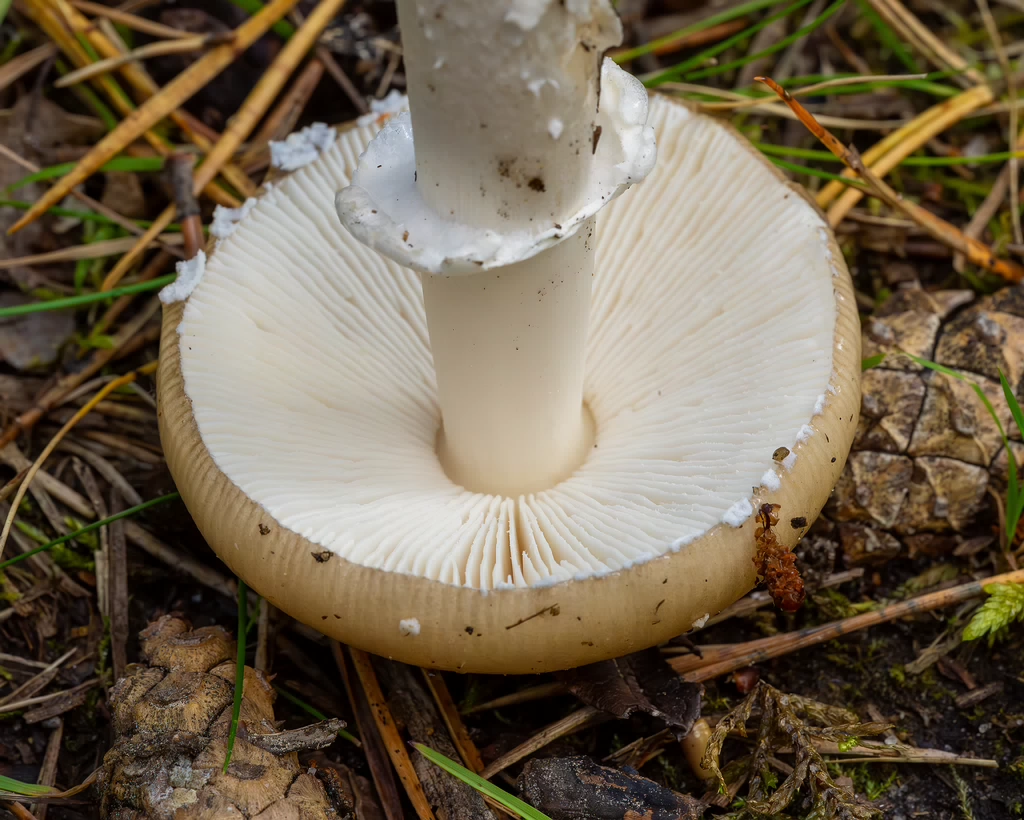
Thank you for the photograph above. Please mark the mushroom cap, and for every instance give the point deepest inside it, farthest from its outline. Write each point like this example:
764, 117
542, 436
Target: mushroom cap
298, 417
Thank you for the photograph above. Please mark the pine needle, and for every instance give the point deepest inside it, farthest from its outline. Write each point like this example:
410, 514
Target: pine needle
236, 706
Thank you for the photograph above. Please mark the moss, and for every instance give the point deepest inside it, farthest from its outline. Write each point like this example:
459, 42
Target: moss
872, 780
899, 674
65, 557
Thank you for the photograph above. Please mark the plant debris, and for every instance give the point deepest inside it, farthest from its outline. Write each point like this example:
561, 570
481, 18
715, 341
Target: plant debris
577, 788
641, 682
775, 563
789, 721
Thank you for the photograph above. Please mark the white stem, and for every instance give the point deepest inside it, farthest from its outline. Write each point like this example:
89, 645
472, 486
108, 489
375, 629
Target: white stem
508, 349
503, 107
504, 98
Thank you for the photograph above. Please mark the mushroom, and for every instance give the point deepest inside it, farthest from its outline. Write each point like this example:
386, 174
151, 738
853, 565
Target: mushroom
531, 431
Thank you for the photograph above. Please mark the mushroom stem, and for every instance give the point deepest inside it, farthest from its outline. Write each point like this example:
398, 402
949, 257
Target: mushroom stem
503, 99
508, 348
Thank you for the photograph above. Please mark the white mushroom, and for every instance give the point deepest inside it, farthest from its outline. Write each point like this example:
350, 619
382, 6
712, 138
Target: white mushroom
591, 493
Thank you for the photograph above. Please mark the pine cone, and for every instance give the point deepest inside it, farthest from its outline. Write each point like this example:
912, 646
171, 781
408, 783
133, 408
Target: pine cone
171, 719
926, 449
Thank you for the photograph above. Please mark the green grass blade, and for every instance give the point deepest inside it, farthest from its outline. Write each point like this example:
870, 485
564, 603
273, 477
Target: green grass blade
282, 28
5, 6
90, 98
827, 156
871, 361
889, 37
784, 43
236, 706
95, 525
133, 164
715, 19
9, 784
88, 216
819, 174
700, 59
1012, 403
1014, 500
86, 298
312, 711
508, 801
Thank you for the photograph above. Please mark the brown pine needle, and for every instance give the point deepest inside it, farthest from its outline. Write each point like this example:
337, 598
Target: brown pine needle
929, 45
389, 733
93, 250
131, 21
87, 408
22, 64
173, 95
729, 659
108, 45
900, 144
574, 722
158, 49
62, 31
976, 252
453, 721
139, 247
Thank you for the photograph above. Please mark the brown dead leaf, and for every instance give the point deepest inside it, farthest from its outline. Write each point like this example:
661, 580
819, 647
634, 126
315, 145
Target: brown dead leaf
33, 341
641, 682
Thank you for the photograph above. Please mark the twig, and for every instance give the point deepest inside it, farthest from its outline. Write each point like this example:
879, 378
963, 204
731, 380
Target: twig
342, 79
154, 268
389, 734
38, 681
282, 119
174, 94
21, 705
179, 169
1011, 87
580, 719
746, 654
943, 231
117, 588
539, 692
48, 771
373, 744
450, 715
261, 661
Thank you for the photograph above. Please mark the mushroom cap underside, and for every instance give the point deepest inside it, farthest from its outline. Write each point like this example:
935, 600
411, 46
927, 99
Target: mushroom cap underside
298, 419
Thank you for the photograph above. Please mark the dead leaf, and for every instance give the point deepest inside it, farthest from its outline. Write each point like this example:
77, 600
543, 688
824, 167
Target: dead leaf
33, 341
123, 192
641, 682
577, 788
